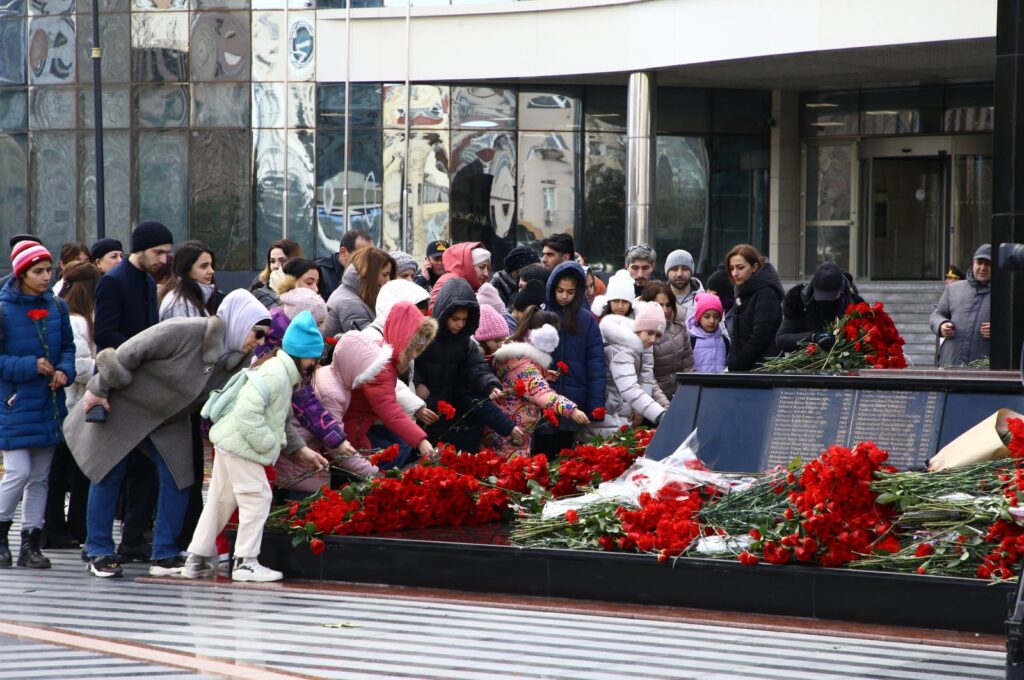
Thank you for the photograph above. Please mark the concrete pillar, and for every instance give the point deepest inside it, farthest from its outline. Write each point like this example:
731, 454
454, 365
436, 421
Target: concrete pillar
1007, 184
641, 153
784, 186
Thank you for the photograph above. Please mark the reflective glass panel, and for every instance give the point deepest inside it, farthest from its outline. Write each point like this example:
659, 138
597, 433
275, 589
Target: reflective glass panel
364, 186
484, 189
826, 243
301, 4
364, 105
969, 108
12, 8
901, 111
220, 195
742, 111
161, 183
972, 218
220, 46
53, 186
146, 5
116, 42
219, 4
825, 114
268, 152
50, 7
301, 112
268, 46
424, 209
268, 4
160, 47
483, 108
739, 193
681, 198
683, 109
606, 109
161, 106
268, 105
428, 103
220, 105
51, 50
12, 51
300, 45
13, 109
301, 195
106, 6
547, 183
13, 185
550, 110
116, 106
604, 195
51, 108
117, 163
829, 177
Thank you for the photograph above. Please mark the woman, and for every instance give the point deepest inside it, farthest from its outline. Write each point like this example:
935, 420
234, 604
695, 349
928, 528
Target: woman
65, 478
106, 254
673, 353
70, 253
757, 311
277, 254
192, 292
149, 387
296, 272
36, 362
405, 265
350, 307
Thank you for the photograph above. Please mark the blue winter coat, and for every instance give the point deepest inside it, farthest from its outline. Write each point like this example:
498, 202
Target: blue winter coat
582, 351
31, 414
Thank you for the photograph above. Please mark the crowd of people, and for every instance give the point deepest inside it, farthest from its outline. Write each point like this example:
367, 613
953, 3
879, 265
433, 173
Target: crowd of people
119, 366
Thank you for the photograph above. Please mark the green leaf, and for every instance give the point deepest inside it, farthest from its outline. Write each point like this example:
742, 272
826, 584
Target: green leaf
795, 464
886, 498
298, 539
347, 493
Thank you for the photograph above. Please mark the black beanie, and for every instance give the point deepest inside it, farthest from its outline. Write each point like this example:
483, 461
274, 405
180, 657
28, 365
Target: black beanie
150, 235
104, 246
519, 257
531, 294
18, 238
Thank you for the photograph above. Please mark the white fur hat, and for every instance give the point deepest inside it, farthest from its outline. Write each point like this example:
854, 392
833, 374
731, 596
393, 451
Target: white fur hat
544, 338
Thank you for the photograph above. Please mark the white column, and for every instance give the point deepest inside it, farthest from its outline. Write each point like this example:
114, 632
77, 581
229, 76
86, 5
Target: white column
641, 148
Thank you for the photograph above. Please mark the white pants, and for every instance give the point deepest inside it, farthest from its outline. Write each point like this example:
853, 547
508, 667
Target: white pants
26, 479
235, 483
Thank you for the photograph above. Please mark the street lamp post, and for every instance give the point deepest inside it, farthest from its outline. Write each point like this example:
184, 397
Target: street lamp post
97, 102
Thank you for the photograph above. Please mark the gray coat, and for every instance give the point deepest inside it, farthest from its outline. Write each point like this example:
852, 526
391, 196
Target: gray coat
673, 354
346, 311
967, 304
154, 382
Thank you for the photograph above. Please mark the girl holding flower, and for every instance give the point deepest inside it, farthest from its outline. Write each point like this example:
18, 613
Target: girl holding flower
36, 361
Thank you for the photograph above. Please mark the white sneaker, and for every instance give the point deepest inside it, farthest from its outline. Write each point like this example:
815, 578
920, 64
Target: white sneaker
196, 566
249, 569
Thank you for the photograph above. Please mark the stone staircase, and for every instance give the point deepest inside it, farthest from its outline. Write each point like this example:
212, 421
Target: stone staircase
909, 303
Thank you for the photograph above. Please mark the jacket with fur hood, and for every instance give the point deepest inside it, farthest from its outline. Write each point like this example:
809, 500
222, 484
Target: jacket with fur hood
458, 264
631, 389
755, 319
391, 293
522, 361
346, 311
673, 353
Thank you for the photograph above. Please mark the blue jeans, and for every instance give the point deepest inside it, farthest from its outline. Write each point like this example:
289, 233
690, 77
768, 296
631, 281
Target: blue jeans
381, 437
170, 508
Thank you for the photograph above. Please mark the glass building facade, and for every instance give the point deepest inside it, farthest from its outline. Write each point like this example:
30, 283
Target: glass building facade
215, 124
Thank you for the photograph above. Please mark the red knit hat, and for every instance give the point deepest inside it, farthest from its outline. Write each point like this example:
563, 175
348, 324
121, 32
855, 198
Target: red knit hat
26, 254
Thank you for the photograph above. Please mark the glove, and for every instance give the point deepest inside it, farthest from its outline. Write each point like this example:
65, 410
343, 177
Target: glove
824, 340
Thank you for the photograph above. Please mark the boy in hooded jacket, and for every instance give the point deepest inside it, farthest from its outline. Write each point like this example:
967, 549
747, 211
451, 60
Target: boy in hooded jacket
454, 370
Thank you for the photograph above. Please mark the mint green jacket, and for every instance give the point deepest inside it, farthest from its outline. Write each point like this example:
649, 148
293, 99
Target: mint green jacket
254, 429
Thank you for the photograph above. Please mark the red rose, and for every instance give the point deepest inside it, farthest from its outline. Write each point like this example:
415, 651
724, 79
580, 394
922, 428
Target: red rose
747, 558
446, 409
924, 550
571, 516
38, 314
520, 387
563, 368
598, 413
811, 349
317, 546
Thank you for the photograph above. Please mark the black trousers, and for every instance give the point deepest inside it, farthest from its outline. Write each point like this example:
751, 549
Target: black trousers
139, 497
66, 478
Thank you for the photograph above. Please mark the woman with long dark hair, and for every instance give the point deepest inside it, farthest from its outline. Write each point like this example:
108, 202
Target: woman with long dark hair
71, 253
757, 314
192, 291
278, 253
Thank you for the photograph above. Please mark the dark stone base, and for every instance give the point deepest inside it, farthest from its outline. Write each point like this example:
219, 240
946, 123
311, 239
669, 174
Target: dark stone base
474, 559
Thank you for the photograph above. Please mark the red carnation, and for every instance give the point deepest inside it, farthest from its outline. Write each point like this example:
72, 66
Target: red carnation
551, 416
520, 387
37, 314
598, 413
571, 516
331, 340
811, 349
446, 409
563, 368
317, 546
747, 558
924, 550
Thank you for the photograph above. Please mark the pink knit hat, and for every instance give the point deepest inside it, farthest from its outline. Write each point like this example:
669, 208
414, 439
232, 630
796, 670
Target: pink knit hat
492, 325
706, 302
298, 300
650, 317
487, 295
26, 254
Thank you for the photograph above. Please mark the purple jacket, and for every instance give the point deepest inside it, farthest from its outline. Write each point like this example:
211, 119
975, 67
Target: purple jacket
278, 325
312, 415
710, 350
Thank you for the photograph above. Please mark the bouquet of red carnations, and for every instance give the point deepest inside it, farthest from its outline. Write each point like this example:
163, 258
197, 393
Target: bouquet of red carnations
864, 337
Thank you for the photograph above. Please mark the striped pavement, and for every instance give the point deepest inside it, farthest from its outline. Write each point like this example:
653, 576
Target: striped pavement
305, 634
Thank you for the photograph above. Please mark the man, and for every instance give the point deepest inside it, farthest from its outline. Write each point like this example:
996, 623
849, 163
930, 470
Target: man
962, 315
106, 254
556, 249
15, 240
640, 265
506, 281
808, 310
126, 305
685, 286
332, 267
433, 265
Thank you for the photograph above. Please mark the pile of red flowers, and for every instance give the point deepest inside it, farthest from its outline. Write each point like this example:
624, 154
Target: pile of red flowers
665, 523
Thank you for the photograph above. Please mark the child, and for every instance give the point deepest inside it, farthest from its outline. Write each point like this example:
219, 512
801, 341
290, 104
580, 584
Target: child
246, 438
523, 360
492, 331
580, 350
710, 346
618, 299
631, 390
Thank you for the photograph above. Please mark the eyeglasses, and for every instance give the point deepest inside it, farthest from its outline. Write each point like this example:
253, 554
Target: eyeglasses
259, 333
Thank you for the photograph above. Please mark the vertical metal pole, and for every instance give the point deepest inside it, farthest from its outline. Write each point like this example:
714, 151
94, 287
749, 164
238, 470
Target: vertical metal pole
346, 218
641, 142
406, 225
97, 103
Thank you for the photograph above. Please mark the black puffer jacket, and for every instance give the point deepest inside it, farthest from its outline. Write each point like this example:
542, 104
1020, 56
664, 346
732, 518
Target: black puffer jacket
803, 316
506, 286
756, 317
331, 270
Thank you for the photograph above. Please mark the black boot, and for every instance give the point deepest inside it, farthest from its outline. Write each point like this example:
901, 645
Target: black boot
5, 550
29, 556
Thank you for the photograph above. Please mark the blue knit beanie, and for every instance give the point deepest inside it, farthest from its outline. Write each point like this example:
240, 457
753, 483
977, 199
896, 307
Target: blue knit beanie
303, 339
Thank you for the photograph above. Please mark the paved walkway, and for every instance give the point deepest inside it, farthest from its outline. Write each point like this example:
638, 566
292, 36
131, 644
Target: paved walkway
70, 624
